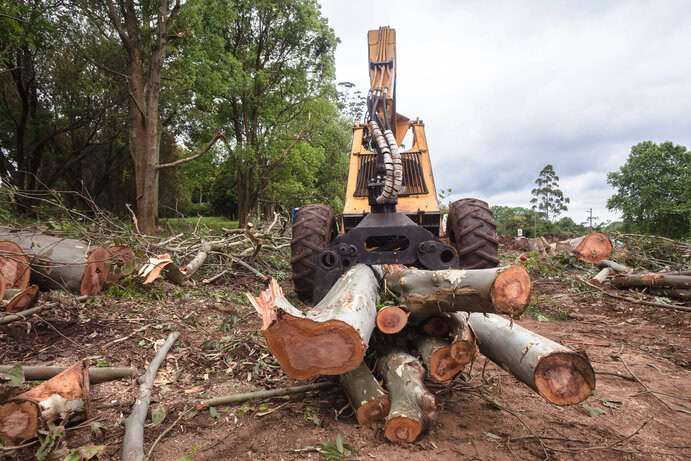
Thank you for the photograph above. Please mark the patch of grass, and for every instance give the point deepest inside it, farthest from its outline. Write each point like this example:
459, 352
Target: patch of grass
203, 224
132, 289
543, 267
533, 310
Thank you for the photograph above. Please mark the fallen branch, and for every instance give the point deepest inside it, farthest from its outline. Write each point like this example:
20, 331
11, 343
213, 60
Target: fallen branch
617, 267
560, 375
97, 375
651, 280
366, 396
600, 277
133, 440
632, 300
504, 290
464, 343
263, 394
196, 262
23, 315
331, 338
17, 300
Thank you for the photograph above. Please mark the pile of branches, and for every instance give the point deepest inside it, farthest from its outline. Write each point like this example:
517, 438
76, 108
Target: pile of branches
430, 327
88, 250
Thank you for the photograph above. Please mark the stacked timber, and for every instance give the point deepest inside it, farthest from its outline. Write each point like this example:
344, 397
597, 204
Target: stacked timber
441, 321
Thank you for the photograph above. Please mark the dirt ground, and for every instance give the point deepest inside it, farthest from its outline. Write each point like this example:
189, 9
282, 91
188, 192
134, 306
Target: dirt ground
485, 414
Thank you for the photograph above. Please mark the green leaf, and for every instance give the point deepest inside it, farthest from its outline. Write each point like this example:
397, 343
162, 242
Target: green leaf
263, 407
15, 375
213, 412
339, 443
158, 414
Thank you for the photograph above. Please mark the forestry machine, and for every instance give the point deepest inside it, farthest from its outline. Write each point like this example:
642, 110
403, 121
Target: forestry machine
391, 213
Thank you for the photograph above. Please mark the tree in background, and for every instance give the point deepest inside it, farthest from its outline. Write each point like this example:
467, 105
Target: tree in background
547, 197
653, 189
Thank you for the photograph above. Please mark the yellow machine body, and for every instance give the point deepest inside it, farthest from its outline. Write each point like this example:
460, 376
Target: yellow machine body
418, 197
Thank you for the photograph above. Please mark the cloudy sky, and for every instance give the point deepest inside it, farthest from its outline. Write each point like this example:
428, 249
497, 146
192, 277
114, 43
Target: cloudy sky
507, 87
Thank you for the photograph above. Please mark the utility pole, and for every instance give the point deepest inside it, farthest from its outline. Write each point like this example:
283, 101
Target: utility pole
590, 219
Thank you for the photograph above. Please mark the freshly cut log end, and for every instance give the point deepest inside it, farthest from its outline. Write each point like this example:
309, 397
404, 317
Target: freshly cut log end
14, 265
391, 319
560, 375
96, 271
412, 405
601, 276
306, 349
593, 248
331, 338
439, 360
366, 396
437, 326
564, 378
401, 429
61, 397
18, 421
510, 292
22, 299
464, 345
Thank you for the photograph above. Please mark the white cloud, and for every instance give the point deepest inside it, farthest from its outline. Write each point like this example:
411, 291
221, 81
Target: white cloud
506, 87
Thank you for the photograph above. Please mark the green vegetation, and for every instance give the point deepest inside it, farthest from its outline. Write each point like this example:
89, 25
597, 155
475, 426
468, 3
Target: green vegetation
653, 190
201, 223
547, 197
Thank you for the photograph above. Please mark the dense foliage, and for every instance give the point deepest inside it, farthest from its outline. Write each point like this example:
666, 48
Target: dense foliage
261, 73
653, 189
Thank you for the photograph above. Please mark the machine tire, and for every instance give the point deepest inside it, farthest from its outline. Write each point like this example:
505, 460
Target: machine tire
473, 232
314, 228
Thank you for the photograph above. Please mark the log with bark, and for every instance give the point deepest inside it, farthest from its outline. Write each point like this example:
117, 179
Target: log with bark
441, 365
679, 294
17, 300
64, 397
332, 337
97, 375
504, 290
412, 405
61, 263
651, 280
14, 265
615, 266
367, 397
560, 375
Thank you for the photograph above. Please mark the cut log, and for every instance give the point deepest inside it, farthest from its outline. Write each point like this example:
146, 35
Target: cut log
332, 337
437, 325
651, 280
14, 265
60, 263
133, 440
601, 276
412, 405
17, 300
366, 396
441, 366
196, 262
464, 344
672, 293
391, 319
560, 375
504, 290
96, 375
64, 396
617, 267
590, 248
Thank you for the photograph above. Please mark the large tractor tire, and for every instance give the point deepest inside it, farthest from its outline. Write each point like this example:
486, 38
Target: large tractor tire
472, 230
314, 228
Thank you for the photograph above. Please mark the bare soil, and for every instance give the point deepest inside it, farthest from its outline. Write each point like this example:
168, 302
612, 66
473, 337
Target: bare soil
485, 414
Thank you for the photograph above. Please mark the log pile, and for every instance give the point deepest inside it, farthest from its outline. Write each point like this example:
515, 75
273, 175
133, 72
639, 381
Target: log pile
437, 324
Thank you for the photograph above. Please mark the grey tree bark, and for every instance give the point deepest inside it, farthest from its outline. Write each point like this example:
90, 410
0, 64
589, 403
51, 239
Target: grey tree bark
369, 400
